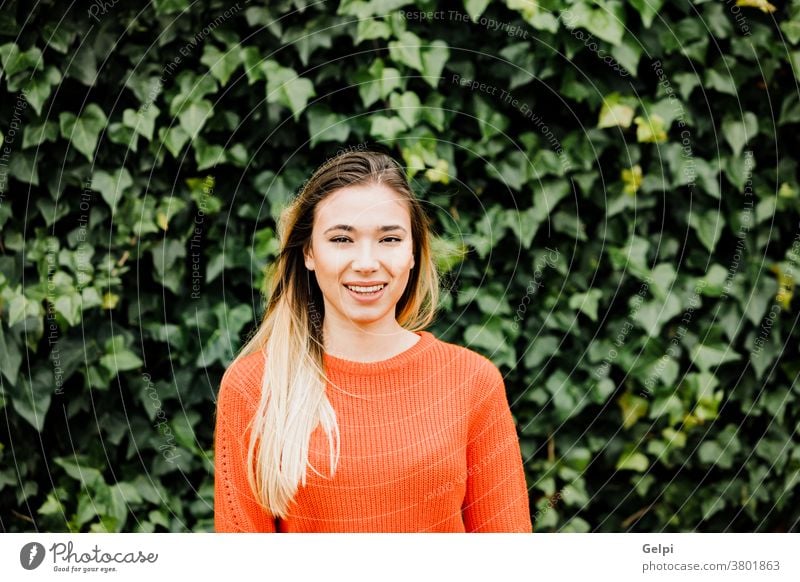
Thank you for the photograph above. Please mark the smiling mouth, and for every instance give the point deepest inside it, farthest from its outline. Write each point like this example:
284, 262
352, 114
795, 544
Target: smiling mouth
366, 291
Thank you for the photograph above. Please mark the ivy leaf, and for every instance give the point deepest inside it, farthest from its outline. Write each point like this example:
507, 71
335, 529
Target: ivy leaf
14, 60
120, 361
69, 305
386, 127
606, 21
739, 131
616, 111
652, 315
406, 50
167, 255
284, 86
633, 408
434, 58
112, 186
173, 138
491, 340
633, 460
118, 133
10, 357
221, 64
31, 398
650, 129
142, 120
324, 125
37, 133
377, 82
586, 302
708, 225
194, 117
38, 88
371, 29
707, 357
648, 10
83, 131
167, 7
475, 8
407, 105
207, 155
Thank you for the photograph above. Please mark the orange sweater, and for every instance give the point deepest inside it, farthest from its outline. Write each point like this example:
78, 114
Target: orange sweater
428, 444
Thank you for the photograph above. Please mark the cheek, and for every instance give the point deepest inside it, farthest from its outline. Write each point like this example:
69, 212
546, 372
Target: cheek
401, 259
331, 261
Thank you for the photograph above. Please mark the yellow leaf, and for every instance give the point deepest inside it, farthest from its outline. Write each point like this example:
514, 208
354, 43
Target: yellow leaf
785, 286
110, 300
162, 220
615, 114
633, 408
762, 5
439, 173
632, 179
650, 130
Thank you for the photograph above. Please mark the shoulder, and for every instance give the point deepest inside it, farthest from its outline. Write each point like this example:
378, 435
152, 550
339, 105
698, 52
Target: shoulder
470, 366
242, 379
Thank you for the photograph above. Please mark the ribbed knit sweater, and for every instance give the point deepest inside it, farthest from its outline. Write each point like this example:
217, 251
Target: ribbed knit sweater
428, 444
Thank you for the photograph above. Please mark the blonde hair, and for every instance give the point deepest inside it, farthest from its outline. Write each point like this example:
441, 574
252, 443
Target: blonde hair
293, 397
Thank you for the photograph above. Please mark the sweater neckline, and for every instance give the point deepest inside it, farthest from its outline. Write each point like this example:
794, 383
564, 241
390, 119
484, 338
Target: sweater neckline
334, 363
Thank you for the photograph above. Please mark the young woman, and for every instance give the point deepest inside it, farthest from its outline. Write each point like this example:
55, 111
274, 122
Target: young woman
342, 414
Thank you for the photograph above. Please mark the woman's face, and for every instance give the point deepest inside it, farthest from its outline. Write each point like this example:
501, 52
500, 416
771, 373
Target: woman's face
361, 253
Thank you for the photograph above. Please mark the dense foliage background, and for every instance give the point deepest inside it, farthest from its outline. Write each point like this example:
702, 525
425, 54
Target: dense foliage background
621, 176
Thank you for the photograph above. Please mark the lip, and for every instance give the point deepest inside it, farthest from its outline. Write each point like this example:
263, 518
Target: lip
366, 298
365, 283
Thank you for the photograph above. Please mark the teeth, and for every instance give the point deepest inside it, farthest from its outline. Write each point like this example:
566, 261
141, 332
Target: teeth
365, 289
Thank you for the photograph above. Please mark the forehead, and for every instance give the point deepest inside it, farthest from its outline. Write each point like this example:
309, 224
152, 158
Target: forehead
367, 205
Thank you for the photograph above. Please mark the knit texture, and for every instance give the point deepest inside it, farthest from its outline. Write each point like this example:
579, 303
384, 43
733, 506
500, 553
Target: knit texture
428, 444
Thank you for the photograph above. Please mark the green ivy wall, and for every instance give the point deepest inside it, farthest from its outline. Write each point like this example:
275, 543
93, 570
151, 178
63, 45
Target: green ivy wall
614, 186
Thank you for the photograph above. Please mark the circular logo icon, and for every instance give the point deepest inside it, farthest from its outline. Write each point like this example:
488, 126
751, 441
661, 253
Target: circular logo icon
31, 555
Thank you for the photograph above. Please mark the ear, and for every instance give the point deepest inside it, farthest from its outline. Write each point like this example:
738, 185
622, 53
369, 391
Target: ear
308, 258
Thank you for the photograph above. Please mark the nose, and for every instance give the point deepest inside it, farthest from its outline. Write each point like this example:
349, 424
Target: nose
366, 258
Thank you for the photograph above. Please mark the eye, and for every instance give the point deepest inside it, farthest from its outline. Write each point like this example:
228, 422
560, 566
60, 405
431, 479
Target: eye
340, 239
392, 239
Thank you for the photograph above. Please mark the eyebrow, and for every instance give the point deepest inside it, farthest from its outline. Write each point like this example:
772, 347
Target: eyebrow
348, 228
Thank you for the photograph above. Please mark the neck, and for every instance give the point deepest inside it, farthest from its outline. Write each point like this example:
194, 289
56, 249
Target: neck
365, 344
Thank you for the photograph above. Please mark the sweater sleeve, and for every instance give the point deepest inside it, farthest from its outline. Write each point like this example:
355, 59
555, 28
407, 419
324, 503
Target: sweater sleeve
235, 507
496, 498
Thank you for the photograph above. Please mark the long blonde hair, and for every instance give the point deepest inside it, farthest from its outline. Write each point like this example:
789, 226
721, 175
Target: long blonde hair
293, 400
